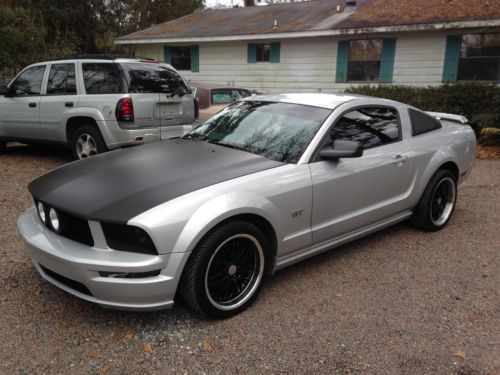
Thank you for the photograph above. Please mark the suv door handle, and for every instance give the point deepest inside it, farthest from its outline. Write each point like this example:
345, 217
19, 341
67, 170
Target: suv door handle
32, 105
399, 159
68, 104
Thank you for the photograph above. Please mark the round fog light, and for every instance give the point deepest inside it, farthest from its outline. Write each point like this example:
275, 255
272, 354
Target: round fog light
41, 211
54, 220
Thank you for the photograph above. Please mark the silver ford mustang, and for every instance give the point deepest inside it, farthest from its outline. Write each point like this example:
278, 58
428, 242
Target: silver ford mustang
263, 184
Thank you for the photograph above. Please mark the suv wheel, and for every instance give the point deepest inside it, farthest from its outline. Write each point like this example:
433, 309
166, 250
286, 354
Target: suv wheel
3, 146
86, 142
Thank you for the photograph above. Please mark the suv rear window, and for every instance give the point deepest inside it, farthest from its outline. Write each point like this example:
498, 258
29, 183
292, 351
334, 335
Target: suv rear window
153, 78
102, 78
422, 122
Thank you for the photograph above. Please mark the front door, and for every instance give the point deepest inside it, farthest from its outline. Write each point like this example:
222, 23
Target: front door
351, 193
20, 112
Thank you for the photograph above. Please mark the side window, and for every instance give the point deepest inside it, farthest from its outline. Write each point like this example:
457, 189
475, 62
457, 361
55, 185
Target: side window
62, 79
102, 78
422, 122
372, 126
29, 82
224, 96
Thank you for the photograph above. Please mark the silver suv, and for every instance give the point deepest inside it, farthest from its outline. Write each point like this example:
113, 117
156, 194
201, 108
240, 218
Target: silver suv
96, 103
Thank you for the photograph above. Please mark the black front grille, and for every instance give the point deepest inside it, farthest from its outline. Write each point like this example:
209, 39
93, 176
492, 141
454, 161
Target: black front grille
128, 238
75, 229
75, 285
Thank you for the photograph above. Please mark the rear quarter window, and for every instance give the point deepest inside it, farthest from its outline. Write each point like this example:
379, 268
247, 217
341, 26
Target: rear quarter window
102, 78
422, 123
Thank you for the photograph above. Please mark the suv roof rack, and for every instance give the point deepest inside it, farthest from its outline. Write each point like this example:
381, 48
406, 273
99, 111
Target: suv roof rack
96, 56
99, 56
104, 56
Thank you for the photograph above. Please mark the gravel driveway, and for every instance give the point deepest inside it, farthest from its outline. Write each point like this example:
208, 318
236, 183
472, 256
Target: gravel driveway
397, 302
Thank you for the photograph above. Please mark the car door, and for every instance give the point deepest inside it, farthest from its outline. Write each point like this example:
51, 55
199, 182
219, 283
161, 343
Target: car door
20, 113
61, 99
351, 193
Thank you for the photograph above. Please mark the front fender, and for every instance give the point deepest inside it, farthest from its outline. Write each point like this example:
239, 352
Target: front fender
221, 208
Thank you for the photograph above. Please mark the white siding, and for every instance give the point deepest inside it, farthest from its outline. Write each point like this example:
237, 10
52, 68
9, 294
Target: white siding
308, 64
419, 59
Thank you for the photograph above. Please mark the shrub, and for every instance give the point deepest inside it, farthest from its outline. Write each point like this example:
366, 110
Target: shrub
479, 102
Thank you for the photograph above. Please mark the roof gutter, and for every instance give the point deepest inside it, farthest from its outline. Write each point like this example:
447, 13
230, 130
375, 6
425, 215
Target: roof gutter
317, 33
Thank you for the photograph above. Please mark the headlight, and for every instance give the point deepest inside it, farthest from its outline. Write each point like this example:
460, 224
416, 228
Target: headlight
41, 211
54, 220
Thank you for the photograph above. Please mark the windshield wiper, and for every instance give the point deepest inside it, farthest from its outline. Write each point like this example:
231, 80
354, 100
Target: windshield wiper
230, 145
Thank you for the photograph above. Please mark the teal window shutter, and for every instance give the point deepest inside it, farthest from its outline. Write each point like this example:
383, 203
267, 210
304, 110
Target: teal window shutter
167, 55
195, 59
252, 53
274, 53
342, 60
451, 57
387, 60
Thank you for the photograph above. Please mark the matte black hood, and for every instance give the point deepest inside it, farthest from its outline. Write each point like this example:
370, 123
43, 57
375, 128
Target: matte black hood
118, 185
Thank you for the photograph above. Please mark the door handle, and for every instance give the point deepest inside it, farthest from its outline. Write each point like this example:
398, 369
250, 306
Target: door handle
399, 159
32, 105
68, 104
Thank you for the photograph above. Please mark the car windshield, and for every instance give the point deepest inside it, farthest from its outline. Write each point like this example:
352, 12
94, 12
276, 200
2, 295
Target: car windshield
278, 131
154, 78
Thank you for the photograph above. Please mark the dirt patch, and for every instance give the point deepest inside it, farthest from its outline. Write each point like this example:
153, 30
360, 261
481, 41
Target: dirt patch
488, 152
400, 301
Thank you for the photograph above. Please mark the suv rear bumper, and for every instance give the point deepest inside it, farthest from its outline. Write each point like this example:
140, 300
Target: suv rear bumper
116, 136
76, 268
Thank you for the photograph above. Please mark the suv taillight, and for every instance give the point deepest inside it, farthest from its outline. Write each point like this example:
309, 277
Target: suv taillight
196, 108
125, 110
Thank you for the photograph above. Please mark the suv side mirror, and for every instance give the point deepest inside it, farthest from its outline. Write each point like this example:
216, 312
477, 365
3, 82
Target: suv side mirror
3, 90
342, 149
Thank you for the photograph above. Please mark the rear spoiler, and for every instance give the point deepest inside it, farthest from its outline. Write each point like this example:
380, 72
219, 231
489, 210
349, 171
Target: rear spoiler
449, 117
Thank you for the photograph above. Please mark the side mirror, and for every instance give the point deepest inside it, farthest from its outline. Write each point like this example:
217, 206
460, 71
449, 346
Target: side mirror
3, 90
342, 149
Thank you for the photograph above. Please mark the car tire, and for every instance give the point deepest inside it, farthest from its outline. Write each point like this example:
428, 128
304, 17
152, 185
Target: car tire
226, 271
3, 147
87, 141
437, 203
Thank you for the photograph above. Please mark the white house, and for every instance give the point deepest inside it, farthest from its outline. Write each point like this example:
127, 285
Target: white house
328, 45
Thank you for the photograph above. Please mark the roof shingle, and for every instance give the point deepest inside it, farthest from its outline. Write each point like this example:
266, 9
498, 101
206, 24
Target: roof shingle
318, 15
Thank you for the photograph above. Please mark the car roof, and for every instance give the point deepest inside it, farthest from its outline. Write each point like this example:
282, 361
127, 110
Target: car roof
328, 101
214, 86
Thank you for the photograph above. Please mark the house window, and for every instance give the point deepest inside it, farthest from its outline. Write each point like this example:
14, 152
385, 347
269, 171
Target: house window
479, 58
364, 60
262, 52
181, 58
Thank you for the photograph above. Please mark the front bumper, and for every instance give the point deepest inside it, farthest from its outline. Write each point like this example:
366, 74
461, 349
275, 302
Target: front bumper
75, 268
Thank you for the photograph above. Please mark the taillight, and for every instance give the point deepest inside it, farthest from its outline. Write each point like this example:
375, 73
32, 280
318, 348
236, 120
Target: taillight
125, 110
196, 108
